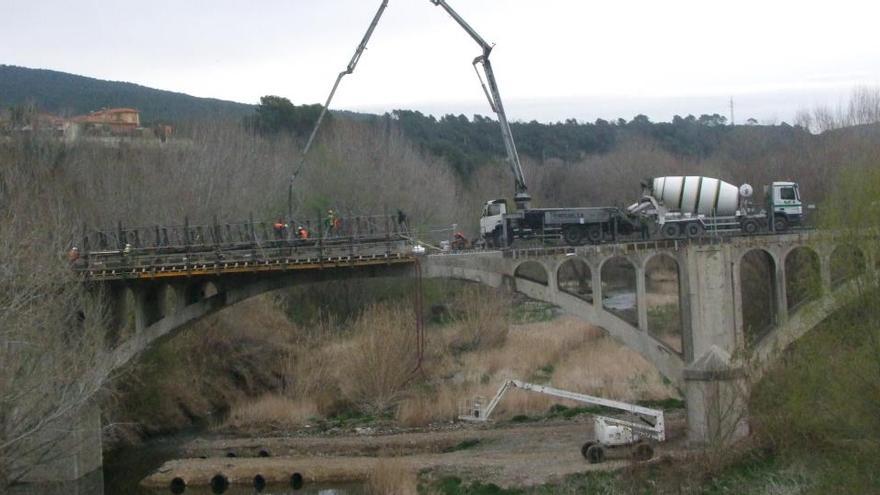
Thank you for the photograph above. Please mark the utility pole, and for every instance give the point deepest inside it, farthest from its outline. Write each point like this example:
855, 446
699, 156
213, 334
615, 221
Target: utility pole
732, 121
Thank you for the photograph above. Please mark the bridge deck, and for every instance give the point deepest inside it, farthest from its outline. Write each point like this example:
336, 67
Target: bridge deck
187, 251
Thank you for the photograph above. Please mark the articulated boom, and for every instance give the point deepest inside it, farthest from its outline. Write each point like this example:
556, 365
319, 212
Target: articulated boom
521, 197
652, 425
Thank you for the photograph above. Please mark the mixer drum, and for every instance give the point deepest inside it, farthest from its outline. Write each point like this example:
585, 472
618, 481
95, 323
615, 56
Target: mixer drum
698, 195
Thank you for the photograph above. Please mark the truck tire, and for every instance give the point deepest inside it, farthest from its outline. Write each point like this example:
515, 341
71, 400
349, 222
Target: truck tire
750, 226
493, 240
693, 229
573, 235
670, 230
594, 233
642, 452
585, 448
780, 223
596, 454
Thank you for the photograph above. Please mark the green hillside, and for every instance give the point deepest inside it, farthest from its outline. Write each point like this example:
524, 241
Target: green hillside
63, 93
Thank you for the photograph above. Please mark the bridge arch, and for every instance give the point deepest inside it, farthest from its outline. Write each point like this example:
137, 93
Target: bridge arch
662, 274
847, 262
574, 276
758, 286
618, 275
803, 277
533, 271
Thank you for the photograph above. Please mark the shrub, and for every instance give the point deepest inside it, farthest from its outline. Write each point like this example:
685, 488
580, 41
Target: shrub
377, 363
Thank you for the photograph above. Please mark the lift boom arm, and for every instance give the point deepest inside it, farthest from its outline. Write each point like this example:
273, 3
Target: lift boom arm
652, 418
521, 196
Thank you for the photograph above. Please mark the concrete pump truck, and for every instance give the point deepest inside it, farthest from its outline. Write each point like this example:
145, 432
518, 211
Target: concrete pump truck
500, 227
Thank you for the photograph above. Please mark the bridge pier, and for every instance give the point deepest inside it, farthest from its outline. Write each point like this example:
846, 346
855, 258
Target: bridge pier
717, 394
714, 386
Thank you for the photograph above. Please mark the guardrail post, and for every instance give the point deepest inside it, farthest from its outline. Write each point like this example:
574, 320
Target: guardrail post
320, 240
387, 232
85, 239
215, 232
186, 233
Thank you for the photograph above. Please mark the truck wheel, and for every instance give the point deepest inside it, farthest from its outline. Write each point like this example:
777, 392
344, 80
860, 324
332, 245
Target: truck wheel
594, 233
670, 230
643, 452
694, 229
596, 454
493, 239
585, 448
780, 223
750, 227
573, 236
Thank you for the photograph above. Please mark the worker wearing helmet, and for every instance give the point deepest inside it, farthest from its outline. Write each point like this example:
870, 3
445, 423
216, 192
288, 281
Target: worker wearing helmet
333, 221
73, 255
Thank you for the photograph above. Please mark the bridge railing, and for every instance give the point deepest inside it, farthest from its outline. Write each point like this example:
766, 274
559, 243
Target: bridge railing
166, 245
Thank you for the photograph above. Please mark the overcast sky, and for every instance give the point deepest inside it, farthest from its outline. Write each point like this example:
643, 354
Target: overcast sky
554, 59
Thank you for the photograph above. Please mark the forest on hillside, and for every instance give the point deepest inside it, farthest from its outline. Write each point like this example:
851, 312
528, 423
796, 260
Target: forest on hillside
66, 94
590, 164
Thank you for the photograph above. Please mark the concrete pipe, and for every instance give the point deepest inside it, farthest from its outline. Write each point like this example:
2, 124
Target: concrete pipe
219, 483
296, 481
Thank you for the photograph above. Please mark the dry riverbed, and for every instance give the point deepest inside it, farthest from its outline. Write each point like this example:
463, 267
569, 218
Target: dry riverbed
507, 455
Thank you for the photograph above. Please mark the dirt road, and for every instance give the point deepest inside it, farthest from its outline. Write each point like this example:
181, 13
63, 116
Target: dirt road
509, 455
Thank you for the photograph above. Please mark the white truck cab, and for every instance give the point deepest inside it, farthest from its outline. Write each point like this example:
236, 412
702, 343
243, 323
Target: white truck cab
784, 200
492, 220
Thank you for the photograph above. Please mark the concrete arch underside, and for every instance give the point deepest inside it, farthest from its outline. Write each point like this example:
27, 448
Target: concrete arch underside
163, 310
494, 270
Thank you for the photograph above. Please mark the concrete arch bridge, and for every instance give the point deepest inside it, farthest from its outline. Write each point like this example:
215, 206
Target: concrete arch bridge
155, 291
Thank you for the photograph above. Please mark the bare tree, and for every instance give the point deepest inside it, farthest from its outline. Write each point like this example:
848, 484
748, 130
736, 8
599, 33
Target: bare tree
51, 330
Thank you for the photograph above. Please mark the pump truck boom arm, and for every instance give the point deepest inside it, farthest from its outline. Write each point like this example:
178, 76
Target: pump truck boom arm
348, 70
521, 196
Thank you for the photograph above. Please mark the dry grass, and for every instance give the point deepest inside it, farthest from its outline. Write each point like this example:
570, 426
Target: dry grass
368, 367
424, 408
377, 362
607, 369
481, 320
392, 477
271, 409
564, 352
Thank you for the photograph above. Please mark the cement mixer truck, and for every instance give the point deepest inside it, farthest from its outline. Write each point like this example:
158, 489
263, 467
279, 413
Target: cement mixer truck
689, 206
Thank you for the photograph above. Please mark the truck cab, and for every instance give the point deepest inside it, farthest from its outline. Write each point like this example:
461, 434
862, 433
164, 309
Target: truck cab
784, 201
492, 221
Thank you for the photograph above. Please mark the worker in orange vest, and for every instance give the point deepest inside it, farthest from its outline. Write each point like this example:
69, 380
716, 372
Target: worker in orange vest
302, 233
279, 227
